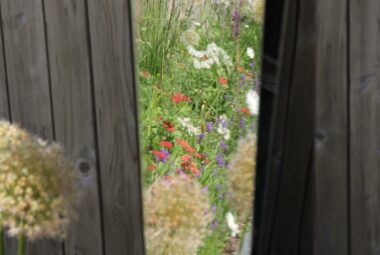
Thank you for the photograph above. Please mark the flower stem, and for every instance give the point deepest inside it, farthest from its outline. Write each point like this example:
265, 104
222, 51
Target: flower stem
2, 249
21, 244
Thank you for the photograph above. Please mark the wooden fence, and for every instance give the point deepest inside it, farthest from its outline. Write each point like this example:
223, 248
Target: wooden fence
67, 73
319, 150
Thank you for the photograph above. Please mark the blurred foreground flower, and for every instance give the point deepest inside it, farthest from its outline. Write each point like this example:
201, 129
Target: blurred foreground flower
177, 216
253, 102
38, 186
258, 10
242, 175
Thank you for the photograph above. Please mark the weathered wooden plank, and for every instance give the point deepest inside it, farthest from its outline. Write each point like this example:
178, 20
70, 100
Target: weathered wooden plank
331, 130
364, 127
4, 111
73, 114
28, 80
114, 82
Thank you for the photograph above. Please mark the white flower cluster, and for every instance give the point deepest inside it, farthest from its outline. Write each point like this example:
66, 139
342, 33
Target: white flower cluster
250, 53
222, 127
186, 123
213, 55
253, 102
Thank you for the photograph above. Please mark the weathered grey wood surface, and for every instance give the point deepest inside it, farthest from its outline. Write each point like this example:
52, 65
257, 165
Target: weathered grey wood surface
364, 110
67, 73
321, 191
69, 60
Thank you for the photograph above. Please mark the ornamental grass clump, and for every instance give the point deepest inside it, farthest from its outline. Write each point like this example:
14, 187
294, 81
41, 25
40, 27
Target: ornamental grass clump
38, 186
177, 216
242, 175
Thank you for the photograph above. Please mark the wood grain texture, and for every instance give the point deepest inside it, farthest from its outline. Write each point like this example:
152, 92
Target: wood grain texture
114, 83
331, 130
73, 115
364, 127
28, 82
4, 111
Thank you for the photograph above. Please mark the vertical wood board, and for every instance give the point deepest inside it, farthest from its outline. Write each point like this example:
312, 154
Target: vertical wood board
69, 61
115, 97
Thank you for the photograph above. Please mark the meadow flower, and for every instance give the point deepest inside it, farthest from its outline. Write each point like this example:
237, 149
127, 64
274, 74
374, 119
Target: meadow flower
179, 97
212, 55
166, 144
168, 126
185, 145
222, 81
231, 223
253, 99
161, 155
250, 53
220, 160
235, 23
38, 186
242, 123
241, 177
186, 123
222, 127
175, 217
245, 110
209, 127
223, 145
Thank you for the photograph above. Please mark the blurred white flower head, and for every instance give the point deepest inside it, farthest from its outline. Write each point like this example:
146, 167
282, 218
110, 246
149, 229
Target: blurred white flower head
232, 224
250, 53
186, 123
222, 127
253, 102
212, 55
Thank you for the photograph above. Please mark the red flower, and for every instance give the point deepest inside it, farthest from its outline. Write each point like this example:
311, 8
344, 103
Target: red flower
166, 144
223, 81
168, 126
206, 161
186, 157
245, 110
185, 145
159, 154
152, 167
179, 97
200, 156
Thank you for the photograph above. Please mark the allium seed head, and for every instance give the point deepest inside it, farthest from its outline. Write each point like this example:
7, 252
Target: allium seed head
242, 175
38, 188
177, 216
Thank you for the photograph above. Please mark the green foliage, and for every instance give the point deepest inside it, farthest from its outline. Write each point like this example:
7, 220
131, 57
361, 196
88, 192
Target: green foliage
166, 69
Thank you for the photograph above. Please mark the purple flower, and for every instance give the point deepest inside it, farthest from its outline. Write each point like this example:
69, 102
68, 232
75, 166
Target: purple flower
214, 224
221, 196
252, 64
242, 123
213, 209
220, 160
209, 127
205, 189
219, 187
235, 23
223, 145
200, 137
242, 77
